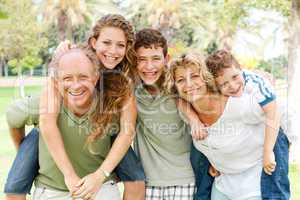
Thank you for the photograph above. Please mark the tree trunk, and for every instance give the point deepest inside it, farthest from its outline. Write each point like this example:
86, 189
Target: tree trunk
294, 71
62, 25
5, 69
31, 71
294, 40
44, 70
1, 67
21, 81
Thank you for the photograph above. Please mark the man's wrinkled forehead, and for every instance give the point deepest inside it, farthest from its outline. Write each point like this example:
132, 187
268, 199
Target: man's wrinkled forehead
74, 56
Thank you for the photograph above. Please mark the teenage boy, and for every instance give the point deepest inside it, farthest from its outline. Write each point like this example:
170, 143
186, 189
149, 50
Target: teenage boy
162, 142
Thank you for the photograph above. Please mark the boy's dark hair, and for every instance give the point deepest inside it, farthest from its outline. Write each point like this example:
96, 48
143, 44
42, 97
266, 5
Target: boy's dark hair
148, 37
220, 60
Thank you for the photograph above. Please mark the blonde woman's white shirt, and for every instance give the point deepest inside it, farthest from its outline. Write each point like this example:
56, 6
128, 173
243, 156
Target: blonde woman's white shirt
235, 142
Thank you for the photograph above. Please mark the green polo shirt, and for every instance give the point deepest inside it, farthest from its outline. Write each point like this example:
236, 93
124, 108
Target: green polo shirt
74, 130
163, 141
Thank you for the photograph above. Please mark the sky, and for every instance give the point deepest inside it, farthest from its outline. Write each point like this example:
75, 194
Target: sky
270, 43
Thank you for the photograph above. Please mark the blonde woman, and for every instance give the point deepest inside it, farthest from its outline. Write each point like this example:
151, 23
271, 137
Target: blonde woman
236, 126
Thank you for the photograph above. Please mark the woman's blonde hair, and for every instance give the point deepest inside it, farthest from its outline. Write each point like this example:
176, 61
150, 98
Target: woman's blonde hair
128, 64
187, 61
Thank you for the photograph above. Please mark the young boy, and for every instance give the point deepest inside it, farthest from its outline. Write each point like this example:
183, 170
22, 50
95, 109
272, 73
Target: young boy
234, 82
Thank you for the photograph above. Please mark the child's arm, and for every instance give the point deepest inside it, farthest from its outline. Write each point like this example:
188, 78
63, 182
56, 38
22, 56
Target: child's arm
198, 130
91, 183
265, 95
271, 132
49, 109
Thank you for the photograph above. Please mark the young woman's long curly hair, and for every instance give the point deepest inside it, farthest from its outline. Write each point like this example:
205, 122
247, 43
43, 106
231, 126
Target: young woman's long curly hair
113, 90
115, 86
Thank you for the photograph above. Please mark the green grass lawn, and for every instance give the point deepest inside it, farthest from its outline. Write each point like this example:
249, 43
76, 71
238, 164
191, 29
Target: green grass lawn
7, 151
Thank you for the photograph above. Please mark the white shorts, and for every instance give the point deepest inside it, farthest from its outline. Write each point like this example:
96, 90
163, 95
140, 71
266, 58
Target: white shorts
108, 191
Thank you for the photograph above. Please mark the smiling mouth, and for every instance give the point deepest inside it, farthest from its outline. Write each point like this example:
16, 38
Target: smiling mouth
191, 91
111, 58
149, 73
236, 91
72, 93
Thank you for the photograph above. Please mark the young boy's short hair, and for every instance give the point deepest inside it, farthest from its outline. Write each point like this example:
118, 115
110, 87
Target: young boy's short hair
148, 37
220, 60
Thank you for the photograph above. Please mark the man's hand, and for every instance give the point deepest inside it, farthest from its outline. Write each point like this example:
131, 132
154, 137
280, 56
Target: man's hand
89, 186
269, 162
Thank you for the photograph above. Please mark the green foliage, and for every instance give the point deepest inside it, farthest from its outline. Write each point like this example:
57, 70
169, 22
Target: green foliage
199, 24
27, 62
20, 35
3, 15
282, 6
211, 47
276, 66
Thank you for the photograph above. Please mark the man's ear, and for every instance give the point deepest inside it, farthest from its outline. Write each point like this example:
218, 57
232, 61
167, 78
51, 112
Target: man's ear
93, 42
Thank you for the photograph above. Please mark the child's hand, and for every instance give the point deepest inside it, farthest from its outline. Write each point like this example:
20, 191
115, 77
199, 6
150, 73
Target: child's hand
50, 99
213, 172
198, 130
269, 162
63, 47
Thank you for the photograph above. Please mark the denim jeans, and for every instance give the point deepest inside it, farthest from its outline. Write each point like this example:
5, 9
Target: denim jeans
277, 186
204, 181
25, 166
274, 187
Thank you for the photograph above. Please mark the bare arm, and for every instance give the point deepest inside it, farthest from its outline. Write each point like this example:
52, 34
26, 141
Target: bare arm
271, 132
49, 110
91, 183
197, 128
124, 138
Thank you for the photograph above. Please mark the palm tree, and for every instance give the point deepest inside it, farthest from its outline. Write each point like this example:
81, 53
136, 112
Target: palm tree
294, 41
65, 15
293, 67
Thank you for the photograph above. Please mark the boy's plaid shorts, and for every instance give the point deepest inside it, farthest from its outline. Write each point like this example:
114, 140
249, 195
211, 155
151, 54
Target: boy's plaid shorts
177, 192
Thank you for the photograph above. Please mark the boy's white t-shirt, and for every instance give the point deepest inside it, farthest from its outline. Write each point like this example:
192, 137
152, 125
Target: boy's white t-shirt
235, 142
263, 93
